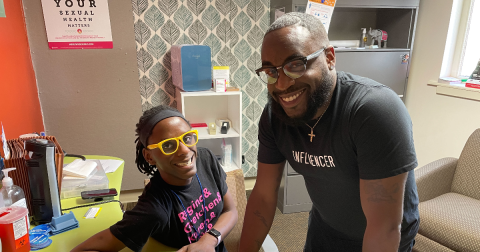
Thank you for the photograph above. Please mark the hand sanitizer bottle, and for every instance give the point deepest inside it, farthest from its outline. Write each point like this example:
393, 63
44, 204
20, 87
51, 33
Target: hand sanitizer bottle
363, 41
12, 195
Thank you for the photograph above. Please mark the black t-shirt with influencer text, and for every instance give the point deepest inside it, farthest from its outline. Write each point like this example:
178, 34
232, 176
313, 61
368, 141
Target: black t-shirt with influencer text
366, 133
159, 214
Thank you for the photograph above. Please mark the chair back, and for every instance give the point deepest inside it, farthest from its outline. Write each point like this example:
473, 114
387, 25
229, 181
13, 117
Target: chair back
466, 180
236, 187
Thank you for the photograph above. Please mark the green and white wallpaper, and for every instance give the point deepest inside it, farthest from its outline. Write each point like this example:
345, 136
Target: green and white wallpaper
234, 31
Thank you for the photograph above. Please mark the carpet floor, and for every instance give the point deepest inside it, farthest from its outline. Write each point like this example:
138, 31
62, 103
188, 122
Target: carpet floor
288, 231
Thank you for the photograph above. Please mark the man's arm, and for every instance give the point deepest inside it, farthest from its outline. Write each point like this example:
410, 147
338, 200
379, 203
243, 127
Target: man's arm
102, 241
382, 203
261, 206
224, 225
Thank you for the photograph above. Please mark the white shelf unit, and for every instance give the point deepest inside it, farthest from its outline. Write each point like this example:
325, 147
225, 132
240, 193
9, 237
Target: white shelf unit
206, 107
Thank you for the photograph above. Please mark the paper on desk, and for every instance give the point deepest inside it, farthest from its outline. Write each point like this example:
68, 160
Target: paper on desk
79, 168
110, 165
71, 178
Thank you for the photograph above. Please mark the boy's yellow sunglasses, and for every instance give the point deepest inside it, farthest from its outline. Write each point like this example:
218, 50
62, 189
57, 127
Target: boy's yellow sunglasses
170, 146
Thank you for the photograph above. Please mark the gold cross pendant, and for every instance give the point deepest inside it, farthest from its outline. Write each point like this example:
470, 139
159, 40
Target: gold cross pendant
311, 135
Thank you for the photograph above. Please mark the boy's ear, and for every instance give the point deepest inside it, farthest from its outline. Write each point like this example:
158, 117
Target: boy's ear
148, 156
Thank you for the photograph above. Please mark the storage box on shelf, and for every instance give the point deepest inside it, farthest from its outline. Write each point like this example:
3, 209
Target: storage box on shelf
208, 106
96, 180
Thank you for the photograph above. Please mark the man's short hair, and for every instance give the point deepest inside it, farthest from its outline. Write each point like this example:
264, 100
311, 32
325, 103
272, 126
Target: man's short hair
313, 25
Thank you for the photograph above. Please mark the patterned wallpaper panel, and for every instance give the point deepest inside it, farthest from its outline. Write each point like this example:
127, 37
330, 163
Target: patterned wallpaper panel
234, 31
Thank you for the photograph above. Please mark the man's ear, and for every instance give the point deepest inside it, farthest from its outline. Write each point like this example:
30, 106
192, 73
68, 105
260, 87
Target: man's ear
148, 156
330, 55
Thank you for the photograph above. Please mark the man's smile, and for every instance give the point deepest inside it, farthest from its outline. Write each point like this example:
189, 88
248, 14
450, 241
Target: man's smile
291, 99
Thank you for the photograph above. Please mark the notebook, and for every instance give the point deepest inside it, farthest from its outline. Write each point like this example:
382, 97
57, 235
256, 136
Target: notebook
79, 168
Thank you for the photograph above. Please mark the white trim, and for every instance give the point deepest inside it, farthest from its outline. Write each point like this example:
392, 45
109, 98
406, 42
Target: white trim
456, 37
456, 91
465, 37
452, 37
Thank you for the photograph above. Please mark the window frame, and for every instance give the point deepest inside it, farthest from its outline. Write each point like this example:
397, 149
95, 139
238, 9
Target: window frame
459, 25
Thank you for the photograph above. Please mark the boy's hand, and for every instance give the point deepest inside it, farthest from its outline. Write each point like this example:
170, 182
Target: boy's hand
206, 244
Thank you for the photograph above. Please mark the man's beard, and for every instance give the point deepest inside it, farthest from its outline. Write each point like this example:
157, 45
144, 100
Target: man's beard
316, 100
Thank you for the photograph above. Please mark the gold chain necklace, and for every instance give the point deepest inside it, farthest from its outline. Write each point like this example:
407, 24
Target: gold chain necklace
311, 135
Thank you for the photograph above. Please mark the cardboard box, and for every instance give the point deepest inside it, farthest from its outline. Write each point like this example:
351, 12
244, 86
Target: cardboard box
220, 85
222, 72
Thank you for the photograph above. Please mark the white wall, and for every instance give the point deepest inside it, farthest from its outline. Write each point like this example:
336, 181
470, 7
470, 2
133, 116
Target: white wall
441, 124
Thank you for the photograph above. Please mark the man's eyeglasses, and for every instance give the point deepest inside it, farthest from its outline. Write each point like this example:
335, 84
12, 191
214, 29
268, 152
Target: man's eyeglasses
293, 69
170, 146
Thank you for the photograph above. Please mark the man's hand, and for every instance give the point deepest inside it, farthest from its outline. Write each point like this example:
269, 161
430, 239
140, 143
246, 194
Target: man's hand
206, 244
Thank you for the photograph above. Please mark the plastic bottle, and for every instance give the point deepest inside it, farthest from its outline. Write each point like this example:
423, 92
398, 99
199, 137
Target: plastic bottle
12, 195
363, 41
227, 155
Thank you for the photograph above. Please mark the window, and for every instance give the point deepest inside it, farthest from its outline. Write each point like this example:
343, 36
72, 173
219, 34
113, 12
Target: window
461, 50
471, 46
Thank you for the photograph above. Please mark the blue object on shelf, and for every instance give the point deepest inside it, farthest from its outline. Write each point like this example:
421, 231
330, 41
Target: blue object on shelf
192, 67
63, 223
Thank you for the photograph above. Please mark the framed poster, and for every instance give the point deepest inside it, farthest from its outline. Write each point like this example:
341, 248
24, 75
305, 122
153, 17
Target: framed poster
322, 9
77, 24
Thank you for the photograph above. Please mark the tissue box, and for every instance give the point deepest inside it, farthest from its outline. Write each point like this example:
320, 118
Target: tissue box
222, 72
95, 181
220, 85
192, 67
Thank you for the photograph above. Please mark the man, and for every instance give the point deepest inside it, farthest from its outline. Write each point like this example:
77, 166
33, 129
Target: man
350, 138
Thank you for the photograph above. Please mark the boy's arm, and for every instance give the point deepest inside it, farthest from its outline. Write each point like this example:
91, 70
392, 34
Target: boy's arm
102, 241
225, 223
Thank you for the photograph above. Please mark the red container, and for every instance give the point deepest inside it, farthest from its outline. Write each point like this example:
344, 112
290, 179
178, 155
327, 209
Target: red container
14, 229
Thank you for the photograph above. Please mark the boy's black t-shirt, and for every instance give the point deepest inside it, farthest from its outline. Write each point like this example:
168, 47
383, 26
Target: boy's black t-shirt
366, 133
160, 215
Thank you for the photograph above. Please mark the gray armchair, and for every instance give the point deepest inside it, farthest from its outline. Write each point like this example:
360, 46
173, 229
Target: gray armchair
449, 194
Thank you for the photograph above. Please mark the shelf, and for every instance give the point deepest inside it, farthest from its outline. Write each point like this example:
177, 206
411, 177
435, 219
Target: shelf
456, 91
203, 133
377, 4
372, 50
232, 167
210, 93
